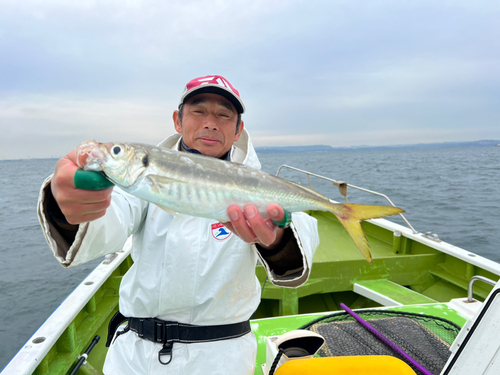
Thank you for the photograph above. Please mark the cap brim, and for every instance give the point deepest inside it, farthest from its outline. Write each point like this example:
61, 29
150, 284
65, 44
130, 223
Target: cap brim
215, 89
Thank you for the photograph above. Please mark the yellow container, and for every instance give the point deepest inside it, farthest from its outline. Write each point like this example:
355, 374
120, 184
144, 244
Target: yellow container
353, 365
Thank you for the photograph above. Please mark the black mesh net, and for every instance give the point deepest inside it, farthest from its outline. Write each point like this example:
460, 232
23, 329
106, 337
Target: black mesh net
426, 339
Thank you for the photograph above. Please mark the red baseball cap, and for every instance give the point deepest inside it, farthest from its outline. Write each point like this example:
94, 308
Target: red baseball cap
216, 85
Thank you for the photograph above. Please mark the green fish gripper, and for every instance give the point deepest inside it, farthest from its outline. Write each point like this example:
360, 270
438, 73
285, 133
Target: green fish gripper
90, 180
286, 221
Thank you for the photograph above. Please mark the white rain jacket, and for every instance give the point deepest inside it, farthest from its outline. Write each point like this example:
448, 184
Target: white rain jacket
186, 269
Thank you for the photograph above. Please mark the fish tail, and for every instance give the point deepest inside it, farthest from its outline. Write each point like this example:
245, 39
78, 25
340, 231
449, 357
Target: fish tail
350, 215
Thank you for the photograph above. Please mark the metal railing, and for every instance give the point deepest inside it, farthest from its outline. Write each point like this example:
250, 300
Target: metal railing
470, 289
342, 186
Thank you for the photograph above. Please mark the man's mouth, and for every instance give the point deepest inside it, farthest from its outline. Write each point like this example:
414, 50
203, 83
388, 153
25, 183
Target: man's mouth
208, 140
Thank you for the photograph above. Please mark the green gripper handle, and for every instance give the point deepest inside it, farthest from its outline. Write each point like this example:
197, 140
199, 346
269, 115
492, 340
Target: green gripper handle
286, 221
90, 180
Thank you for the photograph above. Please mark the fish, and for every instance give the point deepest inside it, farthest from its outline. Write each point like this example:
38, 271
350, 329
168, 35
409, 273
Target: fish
197, 185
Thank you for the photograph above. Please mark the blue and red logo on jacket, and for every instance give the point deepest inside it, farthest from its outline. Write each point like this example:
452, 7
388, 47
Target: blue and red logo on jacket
220, 232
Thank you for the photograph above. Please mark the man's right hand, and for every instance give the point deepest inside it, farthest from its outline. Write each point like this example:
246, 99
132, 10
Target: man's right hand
77, 205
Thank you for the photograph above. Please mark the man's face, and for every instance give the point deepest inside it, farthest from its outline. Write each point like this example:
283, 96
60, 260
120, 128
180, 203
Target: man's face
208, 124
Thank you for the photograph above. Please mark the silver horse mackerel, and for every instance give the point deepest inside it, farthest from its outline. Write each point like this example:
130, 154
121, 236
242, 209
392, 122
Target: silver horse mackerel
196, 185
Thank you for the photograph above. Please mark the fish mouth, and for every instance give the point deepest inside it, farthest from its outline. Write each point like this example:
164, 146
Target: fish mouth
89, 155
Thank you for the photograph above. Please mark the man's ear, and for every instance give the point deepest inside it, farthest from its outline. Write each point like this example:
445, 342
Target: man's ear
240, 130
177, 121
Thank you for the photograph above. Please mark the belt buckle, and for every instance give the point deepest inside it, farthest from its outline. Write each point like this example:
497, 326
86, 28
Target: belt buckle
159, 331
140, 330
166, 331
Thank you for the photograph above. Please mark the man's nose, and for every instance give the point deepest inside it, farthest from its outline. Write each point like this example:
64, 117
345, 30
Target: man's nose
211, 122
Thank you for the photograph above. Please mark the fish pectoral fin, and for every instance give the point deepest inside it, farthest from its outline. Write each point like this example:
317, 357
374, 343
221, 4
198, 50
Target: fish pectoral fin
168, 210
160, 182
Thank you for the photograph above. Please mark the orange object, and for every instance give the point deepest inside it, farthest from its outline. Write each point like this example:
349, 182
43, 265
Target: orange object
351, 365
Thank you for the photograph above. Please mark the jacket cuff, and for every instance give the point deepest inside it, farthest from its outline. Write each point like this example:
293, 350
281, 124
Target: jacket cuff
294, 278
63, 250
286, 257
285, 241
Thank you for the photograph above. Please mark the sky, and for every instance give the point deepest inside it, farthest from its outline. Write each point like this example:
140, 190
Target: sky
338, 73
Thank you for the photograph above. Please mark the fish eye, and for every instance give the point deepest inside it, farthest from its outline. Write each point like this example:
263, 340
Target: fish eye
116, 150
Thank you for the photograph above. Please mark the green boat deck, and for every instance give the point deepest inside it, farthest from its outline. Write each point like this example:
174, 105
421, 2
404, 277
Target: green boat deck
403, 269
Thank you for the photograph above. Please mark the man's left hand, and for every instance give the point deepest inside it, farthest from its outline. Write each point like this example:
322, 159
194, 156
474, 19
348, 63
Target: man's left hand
251, 227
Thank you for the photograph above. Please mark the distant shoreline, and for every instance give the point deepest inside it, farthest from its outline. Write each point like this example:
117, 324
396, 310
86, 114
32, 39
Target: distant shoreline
324, 148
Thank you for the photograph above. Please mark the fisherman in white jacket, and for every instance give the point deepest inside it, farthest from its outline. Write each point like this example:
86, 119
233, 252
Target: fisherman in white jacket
192, 289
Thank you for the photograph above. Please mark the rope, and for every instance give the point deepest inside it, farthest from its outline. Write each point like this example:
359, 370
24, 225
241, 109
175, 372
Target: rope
276, 361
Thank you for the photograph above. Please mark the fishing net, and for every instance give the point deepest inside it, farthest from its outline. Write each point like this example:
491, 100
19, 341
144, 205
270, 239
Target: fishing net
426, 339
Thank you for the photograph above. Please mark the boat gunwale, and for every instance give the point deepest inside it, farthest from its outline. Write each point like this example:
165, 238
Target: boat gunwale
31, 354
442, 246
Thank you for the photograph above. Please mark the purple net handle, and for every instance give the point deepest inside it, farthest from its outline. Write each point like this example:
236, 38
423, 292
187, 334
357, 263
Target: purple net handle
384, 339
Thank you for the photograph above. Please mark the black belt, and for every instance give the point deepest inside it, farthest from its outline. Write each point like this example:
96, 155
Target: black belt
167, 332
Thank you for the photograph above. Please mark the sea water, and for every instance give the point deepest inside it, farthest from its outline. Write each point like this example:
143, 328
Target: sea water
451, 192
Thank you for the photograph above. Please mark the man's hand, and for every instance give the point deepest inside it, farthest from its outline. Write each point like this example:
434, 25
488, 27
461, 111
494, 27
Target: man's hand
251, 227
77, 205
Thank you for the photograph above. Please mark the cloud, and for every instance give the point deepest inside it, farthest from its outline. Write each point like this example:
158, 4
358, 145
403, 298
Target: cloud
307, 70
63, 123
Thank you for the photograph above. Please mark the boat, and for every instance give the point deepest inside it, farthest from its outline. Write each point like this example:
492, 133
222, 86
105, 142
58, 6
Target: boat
412, 273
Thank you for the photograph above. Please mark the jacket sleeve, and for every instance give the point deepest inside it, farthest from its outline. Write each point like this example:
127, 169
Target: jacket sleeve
97, 238
305, 232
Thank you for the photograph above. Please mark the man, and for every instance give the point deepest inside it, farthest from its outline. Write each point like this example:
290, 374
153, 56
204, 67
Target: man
186, 270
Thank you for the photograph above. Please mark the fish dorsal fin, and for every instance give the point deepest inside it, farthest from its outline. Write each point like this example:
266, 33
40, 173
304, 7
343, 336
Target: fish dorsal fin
160, 182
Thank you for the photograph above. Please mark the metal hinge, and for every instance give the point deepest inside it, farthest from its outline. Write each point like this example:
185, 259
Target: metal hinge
109, 258
432, 236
